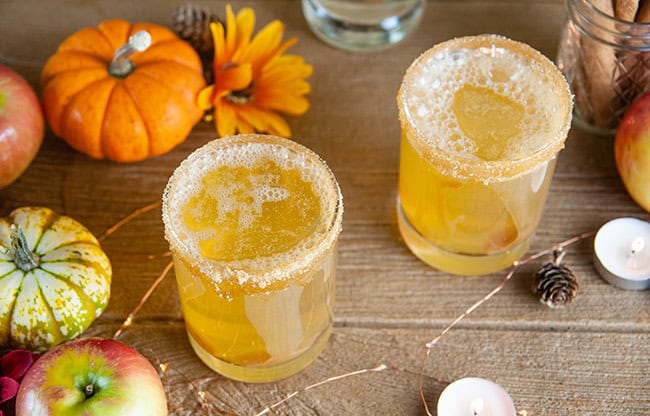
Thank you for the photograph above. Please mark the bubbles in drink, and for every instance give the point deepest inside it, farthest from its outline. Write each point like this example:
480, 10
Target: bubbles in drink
251, 208
483, 101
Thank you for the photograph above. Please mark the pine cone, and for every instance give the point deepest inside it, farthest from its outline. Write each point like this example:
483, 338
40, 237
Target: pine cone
192, 24
555, 284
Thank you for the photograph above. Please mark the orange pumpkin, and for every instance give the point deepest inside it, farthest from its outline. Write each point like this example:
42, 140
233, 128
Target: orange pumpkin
123, 113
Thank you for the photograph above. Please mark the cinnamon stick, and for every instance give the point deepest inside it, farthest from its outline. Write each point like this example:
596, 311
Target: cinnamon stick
626, 9
600, 62
644, 13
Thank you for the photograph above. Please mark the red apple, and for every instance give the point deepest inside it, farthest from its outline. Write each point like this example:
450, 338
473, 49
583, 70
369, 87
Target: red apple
21, 125
91, 377
632, 151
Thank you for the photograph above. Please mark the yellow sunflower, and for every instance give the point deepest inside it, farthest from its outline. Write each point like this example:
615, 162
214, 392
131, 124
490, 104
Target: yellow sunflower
253, 79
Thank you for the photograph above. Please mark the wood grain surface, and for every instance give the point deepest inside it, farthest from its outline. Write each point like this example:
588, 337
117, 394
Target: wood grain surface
591, 358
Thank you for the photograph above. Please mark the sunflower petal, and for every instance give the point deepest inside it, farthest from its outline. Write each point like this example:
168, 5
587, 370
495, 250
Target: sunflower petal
234, 78
265, 121
231, 31
220, 55
285, 45
225, 118
254, 117
204, 100
281, 73
294, 86
243, 127
277, 124
278, 100
245, 26
264, 45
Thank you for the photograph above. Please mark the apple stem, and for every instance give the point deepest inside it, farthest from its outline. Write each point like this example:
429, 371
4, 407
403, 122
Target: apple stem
121, 66
89, 390
23, 257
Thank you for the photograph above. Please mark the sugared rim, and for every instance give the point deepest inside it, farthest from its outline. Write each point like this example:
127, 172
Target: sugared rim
477, 169
232, 277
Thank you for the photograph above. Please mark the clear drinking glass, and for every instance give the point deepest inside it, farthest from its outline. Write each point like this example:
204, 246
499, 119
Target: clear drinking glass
483, 118
252, 222
362, 25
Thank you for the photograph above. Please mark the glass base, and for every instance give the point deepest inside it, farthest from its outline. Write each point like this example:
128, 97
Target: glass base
362, 26
266, 373
452, 262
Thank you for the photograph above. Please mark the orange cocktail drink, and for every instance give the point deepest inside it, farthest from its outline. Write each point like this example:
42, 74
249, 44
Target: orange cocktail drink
252, 223
483, 118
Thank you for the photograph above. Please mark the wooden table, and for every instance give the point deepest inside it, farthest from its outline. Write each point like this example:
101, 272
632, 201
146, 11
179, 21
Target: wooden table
591, 358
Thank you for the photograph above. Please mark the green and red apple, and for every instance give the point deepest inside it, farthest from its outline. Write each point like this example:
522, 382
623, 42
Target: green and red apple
21, 125
91, 377
632, 151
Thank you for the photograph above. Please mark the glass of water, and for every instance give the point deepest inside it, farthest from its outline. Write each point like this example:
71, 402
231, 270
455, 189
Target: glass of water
362, 25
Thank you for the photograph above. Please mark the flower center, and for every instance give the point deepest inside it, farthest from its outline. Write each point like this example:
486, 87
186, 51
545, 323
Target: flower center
241, 97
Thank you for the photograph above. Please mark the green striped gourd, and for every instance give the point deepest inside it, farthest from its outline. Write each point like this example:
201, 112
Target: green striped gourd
54, 279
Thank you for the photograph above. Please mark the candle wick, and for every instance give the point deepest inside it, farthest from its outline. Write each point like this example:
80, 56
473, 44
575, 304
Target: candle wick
477, 406
637, 246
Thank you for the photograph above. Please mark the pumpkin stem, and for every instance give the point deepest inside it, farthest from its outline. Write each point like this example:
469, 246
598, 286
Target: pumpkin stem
121, 66
24, 258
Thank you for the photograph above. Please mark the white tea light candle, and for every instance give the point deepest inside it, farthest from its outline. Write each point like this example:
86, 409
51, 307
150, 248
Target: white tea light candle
475, 397
622, 253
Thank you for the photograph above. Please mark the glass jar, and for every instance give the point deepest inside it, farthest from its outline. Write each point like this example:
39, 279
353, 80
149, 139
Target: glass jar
362, 25
606, 62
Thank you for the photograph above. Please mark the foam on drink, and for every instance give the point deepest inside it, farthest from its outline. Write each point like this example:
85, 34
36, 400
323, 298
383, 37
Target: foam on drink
487, 99
222, 202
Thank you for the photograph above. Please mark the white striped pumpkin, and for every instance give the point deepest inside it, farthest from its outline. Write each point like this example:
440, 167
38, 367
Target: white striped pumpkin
54, 279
